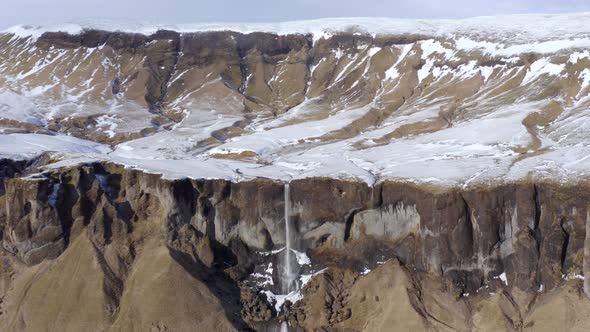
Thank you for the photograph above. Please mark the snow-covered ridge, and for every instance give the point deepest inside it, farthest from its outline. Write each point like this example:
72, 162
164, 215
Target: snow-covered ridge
513, 28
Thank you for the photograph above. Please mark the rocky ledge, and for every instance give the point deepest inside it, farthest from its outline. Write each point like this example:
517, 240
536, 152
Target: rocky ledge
106, 247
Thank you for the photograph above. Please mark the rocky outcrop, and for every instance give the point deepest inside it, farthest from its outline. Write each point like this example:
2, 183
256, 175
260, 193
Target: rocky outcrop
33, 229
523, 241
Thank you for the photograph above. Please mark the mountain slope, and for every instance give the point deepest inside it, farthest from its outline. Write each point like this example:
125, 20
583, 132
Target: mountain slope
446, 102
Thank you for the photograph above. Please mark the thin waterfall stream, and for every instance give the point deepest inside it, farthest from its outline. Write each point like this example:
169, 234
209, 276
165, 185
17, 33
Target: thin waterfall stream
293, 269
288, 277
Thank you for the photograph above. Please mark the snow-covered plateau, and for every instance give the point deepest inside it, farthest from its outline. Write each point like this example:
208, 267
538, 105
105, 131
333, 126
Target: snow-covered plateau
444, 102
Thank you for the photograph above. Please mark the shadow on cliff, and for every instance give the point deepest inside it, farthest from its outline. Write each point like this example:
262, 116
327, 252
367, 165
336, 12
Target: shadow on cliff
218, 283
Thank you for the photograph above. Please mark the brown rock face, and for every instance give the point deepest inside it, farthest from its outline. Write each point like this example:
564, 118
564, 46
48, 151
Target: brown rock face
33, 230
462, 259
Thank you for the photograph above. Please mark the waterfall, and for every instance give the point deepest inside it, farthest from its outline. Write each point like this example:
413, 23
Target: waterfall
287, 264
294, 270
284, 327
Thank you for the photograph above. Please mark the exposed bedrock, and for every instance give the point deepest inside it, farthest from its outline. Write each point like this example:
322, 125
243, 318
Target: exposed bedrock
516, 239
245, 75
242, 61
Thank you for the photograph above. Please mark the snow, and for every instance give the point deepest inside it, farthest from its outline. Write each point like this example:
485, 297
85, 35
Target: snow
585, 76
572, 276
273, 252
41, 65
486, 72
302, 258
468, 152
23, 146
108, 121
220, 150
503, 278
572, 28
468, 70
479, 146
426, 70
266, 279
17, 107
35, 31
273, 139
373, 50
432, 46
279, 299
577, 56
543, 47
392, 73
540, 67
351, 61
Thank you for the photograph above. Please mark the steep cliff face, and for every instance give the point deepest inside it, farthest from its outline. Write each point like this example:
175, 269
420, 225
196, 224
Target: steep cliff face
378, 175
144, 252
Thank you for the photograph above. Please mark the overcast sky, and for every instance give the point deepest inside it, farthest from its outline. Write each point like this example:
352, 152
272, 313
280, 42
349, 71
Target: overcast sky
185, 11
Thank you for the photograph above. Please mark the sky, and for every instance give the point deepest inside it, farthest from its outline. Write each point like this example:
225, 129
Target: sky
193, 11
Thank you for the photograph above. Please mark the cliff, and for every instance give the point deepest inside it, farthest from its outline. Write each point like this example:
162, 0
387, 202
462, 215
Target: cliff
117, 249
334, 175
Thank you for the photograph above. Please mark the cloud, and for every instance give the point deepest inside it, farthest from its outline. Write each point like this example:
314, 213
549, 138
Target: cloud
169, 11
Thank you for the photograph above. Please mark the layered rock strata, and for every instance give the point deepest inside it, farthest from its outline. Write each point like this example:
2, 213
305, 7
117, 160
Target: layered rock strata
119, 249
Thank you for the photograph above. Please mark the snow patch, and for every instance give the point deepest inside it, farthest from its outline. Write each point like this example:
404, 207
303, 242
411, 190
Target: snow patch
540, 67
302, 258
503, 278
392, 73
572, 276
